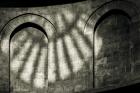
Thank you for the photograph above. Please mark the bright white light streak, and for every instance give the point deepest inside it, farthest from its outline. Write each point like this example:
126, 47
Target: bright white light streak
29, 64
76, 61
97, 44
51, 63
39, 79
23, 36
4, 46
60, 21
64, 71
68, 15
81, 24
17, 62
88, 32
82, 44
17, 42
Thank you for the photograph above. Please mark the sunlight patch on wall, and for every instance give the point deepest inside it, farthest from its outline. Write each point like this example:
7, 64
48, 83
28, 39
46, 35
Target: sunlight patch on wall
64, 71
82, 44
39, 79
89, 34
4, 46
76, 61
17, 62
21, 36
26, 74
98, 44
32, 17
69, 16
16, 42
80, 24
60, 22
84, 16
51, 63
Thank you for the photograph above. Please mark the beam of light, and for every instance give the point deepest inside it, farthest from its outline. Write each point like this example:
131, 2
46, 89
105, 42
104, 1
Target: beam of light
84, 16
48, 27
4, 45
21, 36
80, 24
32, 18
26, 74
64, 71
97, 44
17, 41
51, 63
16, 63
82, 45
39, 79
76, 61
45, 41
60, 23
69, 16
89, 33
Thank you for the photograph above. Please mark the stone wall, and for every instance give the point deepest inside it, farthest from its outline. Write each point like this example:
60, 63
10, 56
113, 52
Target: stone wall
82, 53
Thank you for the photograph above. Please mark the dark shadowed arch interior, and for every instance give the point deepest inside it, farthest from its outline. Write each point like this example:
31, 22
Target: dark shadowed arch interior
111, 47
111, 12
25, 25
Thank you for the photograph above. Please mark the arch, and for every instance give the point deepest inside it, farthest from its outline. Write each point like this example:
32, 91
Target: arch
111, 49
25, 25
22, 21
124, 7
18, 74
109, 13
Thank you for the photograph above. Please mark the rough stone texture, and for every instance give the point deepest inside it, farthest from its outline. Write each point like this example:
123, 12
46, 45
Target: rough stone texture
116, 40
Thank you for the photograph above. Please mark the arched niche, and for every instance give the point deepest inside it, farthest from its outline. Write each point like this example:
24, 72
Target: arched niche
21, 19
111, 49
125, 11
35, 31
128, 7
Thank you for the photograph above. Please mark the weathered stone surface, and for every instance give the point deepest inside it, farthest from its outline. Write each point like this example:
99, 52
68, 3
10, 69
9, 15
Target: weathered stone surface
70, 65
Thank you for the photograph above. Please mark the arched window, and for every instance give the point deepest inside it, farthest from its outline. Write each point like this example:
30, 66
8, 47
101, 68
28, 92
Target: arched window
24, 43
111, 47
28, 54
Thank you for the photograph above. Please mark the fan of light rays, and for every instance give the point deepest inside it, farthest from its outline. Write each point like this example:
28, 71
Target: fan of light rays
25, 53
76, 61
51, 63
38, 63
40, 80
98, 44
17, 61
64, 71
28, 69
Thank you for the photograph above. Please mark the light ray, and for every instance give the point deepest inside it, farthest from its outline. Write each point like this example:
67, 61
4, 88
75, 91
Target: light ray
69, 16
26, 74
81, 43
17, 62
15, 43
60, 23
39, 79
76, 61
98, 44
64, 71
51, 63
